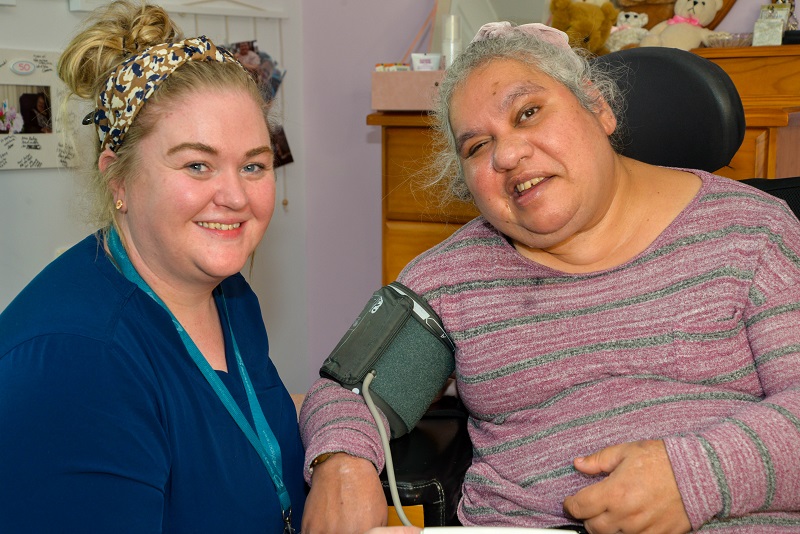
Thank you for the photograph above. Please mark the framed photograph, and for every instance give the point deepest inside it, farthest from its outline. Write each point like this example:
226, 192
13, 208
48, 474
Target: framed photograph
769, 27
260, 64
283, 154
30, 132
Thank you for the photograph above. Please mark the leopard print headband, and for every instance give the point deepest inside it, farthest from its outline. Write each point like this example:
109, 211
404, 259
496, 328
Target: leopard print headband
137, 78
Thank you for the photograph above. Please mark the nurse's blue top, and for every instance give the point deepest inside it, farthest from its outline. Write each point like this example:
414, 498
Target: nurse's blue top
106, 424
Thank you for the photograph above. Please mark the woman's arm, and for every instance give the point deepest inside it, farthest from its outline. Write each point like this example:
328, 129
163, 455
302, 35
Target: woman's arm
748, 462
346, 493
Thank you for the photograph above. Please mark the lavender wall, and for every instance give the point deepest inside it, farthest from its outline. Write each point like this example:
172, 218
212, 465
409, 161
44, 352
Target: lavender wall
342, 42
741, 17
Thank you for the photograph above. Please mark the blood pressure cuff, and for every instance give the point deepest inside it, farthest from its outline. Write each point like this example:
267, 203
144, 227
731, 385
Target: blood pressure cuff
400, 337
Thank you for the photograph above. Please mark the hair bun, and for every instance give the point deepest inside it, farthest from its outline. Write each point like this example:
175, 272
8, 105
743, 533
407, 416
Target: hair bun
150, 27
108, 35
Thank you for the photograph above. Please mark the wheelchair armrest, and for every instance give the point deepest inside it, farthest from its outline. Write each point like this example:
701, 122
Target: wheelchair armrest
431, 460
787, 189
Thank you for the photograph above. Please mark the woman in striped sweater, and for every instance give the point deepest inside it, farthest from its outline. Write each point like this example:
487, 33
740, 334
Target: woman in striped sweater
627, 339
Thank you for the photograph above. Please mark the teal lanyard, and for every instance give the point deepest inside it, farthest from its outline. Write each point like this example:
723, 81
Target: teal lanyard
262, 439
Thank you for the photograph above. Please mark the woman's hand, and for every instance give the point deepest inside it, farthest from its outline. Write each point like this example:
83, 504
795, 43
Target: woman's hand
346, 497
639, 495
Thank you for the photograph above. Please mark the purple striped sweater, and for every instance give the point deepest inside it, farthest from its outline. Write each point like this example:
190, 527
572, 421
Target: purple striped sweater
695, 341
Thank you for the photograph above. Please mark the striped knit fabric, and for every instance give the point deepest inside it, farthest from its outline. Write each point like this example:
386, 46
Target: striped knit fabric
694, 341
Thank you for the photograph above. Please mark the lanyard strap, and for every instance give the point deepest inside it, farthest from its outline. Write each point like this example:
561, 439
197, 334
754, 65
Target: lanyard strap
262, 439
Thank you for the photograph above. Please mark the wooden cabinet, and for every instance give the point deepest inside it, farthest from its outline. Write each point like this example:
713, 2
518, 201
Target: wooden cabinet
768, 79
414, 218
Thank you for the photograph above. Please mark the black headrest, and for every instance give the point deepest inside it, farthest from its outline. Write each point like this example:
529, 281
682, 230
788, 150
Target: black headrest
682, 110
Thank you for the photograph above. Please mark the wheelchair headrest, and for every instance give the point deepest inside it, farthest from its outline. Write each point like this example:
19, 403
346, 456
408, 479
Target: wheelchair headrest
682, 110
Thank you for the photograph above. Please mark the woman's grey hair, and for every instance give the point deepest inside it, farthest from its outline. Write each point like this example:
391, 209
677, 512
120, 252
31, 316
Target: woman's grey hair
590, 83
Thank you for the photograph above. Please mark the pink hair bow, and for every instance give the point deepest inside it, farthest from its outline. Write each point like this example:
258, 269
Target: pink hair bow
494, 30
677, 19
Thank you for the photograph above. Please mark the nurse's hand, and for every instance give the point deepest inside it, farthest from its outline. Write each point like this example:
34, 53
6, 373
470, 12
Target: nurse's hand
346, 497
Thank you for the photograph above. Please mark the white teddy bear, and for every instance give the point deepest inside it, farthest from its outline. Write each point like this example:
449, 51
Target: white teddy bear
686, 30
629, 30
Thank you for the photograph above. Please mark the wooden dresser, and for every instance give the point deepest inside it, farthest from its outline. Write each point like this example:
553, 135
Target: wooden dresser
413, 218
768, 79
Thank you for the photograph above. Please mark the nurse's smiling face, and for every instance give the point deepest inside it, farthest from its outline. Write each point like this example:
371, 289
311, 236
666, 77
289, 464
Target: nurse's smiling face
536, 161
204, 192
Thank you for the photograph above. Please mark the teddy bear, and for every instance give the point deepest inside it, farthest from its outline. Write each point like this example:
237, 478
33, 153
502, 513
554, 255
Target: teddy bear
656, 10
629, 30
587, 22
686, 29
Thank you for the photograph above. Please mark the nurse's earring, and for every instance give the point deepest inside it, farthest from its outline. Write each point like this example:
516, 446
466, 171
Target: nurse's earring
119, 204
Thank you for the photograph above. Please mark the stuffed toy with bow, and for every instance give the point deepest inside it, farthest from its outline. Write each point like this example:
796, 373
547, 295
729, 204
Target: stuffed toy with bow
628, 32
687, 29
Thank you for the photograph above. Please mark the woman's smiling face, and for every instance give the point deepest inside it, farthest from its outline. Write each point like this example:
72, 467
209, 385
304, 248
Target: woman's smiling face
538, 164
204, 192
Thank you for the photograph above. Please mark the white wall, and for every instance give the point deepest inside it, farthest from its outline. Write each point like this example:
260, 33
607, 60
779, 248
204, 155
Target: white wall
35, 219
320, 260
39, 208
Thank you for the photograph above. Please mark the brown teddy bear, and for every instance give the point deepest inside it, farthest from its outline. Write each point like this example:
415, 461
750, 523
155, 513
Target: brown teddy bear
587, 22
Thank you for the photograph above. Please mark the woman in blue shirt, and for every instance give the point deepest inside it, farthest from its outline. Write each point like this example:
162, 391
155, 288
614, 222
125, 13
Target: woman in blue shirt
137, 390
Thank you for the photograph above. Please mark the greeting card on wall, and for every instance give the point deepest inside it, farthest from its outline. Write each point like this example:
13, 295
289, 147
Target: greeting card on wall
31, 135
